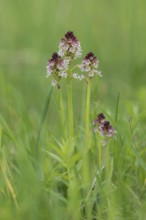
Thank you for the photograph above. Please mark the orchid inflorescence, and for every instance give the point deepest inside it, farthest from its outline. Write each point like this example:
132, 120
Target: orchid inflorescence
90, 65
103, 127
60, 66
70, 49
57, 67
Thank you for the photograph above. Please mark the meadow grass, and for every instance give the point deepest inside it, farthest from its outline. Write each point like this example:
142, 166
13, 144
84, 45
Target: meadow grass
44, 172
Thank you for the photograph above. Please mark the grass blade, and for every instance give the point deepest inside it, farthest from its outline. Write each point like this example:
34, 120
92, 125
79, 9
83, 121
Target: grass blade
43, 117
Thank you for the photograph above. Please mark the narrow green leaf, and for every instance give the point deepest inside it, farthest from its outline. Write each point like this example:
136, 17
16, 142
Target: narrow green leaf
43, 117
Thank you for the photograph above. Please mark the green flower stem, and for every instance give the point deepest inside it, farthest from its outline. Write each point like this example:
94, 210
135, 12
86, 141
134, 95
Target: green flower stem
76, 66
87, 115
108, 167
62, 112
70, 107
43, 118
99, 154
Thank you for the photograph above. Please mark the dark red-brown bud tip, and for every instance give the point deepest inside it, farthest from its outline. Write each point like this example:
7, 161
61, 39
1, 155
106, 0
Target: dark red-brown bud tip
55, 56
90, 56
69, 35
106, 124
100, 118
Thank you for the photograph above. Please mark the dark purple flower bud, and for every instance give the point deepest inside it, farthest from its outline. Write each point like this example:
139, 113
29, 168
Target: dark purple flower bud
101, 118
110, 131
55, 56
89, 56
106, 124
69, 35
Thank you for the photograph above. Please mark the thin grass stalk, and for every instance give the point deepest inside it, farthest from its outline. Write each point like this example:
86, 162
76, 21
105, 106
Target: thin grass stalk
43, 118
87, 114
99, 154
107, 162
62, 113
117, 107
70, 108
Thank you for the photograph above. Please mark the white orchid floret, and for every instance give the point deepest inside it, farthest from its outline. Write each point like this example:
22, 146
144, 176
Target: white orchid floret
98, 73
54, 82
63, 74
95, 63
81, 77
49, 71
91, 74
78, 76
75, 75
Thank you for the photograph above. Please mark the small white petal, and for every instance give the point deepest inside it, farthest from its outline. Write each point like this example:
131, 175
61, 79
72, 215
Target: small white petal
63, 74
48, 74
54, 82
91, 74
82, 77
99, 73
75, 75
86, 61
72, 49
65, 47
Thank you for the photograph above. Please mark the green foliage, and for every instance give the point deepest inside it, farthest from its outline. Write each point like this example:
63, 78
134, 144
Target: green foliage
65, 180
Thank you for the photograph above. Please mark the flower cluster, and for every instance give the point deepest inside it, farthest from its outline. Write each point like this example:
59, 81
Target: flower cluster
103, 127
69, 46
57, 67
90, 65
69, 49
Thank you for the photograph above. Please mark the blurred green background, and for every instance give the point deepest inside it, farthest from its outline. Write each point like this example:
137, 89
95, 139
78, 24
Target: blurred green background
31, 30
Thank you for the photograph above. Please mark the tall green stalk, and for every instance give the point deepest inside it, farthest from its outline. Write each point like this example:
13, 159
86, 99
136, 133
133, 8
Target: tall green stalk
62, 112
43, 118
99, 154
70, 108
87, 114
